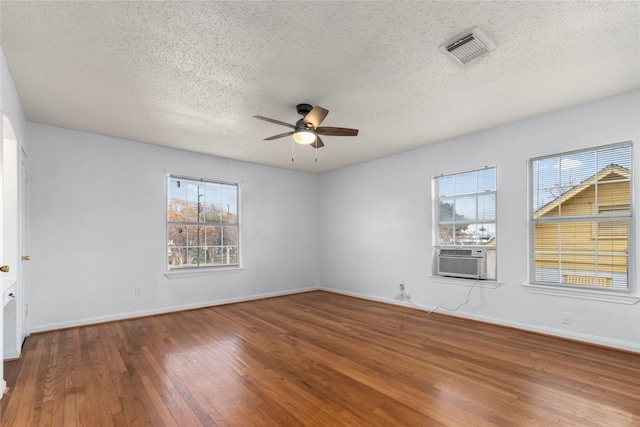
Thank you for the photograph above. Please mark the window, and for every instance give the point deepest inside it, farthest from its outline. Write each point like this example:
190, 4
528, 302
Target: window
202, 223
581, 217
465, 215
467, 208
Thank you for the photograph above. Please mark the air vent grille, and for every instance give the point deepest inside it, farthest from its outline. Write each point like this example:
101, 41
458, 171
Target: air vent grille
468, 46
456, 252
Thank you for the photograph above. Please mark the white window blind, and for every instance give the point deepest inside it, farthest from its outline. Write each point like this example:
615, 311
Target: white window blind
581, 218
467, 208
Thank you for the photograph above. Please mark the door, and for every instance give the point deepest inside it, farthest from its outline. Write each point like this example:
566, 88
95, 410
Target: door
4, 131
23, 276
10, 242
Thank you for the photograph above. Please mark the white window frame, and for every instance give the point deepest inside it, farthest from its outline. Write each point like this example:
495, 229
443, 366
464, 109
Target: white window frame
491, 267
224, 221
586, 291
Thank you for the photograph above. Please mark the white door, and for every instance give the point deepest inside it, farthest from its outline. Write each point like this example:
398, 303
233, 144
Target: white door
11, 242
3, 132
23, 326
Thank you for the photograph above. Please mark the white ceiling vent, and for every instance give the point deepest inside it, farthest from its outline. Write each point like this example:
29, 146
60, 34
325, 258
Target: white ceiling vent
468, 45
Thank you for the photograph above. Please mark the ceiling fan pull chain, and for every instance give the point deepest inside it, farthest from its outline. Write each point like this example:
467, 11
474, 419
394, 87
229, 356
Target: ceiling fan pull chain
292, 145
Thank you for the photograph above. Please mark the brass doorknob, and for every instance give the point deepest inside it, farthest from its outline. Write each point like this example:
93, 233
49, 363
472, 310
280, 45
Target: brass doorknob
4, 268
25, 257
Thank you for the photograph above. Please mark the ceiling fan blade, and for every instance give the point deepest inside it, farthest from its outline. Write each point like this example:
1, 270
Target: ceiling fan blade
317, 143
331, 131
315, 116
278, 122
282, 135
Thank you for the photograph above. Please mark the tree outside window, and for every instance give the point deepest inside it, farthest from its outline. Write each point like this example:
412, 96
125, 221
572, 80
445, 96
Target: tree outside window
202, 223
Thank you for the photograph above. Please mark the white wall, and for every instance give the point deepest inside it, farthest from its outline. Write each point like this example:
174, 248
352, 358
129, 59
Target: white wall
97, 229
376, 223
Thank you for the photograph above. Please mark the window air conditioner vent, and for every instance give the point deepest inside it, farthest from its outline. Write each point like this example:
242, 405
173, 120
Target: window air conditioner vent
468, 46
469, 263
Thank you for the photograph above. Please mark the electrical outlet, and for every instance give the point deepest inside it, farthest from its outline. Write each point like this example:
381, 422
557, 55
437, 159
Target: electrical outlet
137, 292
565, 317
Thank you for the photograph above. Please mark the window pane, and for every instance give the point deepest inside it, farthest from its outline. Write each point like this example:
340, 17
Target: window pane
217, 255
614, 198
209, 255
466, 208
212, 202
193, 256
478, 234
575, 237
192, 192
176, 205
576, 167
229, 204
612, 271
546, 269
228, 255
446, 234
481, 234
620, 156
487, 207
546, 237
546, 176
213, 236
446, 186
445, 210
577, 201
230, 236
232, 254
466, 183
177, 256
487, 180
612, 236
193, 235
177, 235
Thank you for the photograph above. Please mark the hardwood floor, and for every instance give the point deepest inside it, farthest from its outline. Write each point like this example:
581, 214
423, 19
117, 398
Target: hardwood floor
315, 359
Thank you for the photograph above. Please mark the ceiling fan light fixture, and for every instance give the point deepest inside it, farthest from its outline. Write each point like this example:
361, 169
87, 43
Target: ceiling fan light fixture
304, 136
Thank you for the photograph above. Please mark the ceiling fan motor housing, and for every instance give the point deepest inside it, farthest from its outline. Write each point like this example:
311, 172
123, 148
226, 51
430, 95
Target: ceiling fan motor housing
304, 109
301, 124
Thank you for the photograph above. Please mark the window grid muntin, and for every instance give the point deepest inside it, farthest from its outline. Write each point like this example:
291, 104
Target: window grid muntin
229, 221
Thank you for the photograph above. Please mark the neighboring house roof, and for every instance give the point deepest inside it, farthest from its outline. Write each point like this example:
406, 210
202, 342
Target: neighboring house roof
612, 169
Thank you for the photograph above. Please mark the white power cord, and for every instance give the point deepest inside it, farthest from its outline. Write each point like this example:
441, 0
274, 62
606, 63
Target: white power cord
405, 297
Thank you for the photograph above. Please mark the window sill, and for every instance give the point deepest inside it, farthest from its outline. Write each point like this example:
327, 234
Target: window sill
489, 284
197, 272
588, 294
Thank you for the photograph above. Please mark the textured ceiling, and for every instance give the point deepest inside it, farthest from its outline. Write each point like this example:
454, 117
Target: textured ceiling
192, 74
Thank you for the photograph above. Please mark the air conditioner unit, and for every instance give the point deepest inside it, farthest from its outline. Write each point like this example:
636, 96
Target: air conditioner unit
463, 262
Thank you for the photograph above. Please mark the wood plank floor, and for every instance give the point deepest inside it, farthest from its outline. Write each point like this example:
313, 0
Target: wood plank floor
315, 359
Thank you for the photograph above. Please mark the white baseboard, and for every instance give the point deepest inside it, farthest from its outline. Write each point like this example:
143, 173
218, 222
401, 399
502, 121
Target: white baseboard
575, 336
11, 355
152, 312
3, 387
591, 339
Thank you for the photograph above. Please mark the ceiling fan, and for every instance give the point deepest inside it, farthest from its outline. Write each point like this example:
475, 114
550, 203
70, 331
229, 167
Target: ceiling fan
307, 130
